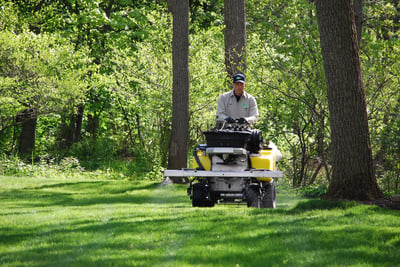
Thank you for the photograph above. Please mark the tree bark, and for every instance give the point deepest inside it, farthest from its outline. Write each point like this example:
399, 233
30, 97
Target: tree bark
235, 36
359, 18
178, 147
353, 176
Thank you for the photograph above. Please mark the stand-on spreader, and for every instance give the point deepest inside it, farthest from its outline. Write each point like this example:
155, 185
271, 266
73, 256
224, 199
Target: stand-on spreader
234, 166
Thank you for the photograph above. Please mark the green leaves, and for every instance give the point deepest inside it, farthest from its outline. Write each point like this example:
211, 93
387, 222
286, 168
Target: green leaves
39, 72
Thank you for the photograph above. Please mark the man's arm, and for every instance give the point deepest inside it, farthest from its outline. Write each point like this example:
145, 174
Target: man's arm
253, 111
221, 111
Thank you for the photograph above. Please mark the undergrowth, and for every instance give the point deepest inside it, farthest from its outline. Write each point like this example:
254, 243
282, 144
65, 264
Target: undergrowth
313, 191
72, 167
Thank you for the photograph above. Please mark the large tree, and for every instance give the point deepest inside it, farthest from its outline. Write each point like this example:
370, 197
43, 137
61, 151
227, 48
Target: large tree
235, 36
353, 176
180, 98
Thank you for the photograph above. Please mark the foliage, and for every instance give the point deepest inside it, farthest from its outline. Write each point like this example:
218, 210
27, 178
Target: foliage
99, 222
313, 191
40, 71
46, 167
380, 49
207, 72
94, 152
288, 80
205, 14
141, 86
72, 167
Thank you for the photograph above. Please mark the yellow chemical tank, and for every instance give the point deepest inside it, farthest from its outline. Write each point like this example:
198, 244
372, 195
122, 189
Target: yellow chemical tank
203, 158
266, 159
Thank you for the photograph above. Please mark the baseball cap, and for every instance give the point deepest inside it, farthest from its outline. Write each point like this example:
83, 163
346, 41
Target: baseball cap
239, 78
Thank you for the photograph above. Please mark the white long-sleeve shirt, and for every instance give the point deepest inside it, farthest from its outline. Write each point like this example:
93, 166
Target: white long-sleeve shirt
246, 107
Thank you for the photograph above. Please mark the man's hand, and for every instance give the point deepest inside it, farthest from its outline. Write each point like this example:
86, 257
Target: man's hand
229, 120
243, 121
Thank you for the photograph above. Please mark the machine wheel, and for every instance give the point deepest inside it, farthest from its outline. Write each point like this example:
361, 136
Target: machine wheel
255, 141
269, 198
201, 197
253, 196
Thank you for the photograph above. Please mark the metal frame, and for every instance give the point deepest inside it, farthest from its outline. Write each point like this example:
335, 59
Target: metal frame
197, 173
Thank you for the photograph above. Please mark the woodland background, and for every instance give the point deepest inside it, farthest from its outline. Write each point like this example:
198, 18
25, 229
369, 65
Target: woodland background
89, 84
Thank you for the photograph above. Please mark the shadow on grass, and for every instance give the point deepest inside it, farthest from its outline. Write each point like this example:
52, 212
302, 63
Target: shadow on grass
92, 193
318, 204
117, 186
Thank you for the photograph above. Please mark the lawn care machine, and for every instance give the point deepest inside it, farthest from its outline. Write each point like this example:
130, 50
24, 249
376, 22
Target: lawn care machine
235, 166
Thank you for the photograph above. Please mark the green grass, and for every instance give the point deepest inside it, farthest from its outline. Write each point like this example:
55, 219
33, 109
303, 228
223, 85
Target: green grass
95, 222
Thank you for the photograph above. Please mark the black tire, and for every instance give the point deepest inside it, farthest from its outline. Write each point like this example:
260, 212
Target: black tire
253, 196
255, 141
269, 197
201, 197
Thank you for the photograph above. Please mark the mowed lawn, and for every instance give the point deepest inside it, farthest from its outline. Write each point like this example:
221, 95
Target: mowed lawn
94, 222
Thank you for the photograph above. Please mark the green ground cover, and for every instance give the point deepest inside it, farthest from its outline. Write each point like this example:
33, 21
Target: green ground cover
98, 222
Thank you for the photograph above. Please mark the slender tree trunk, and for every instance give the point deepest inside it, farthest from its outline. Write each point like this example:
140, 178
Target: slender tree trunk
178, 148
235, 36
353, 176
92, 125
71, 126
27, 119
78, 123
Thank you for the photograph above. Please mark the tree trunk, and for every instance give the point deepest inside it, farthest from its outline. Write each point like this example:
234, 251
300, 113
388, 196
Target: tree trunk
353, 176
78, 123
92, 125
27, 119
71, 127
178, 147
235, 36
